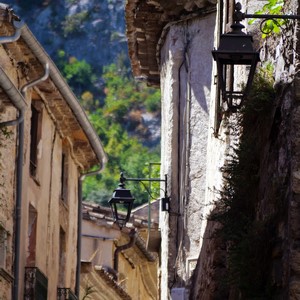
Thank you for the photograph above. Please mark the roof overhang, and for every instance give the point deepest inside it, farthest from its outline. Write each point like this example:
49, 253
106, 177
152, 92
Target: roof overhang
70, 118
146, 20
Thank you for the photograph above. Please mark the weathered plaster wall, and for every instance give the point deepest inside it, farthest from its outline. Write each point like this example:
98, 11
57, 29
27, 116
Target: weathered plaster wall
186, 68
7, 181
7, 161
137, 276
48, 229
98, 243
43, 193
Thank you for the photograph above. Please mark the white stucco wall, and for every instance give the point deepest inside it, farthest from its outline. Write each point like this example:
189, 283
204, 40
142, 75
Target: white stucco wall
186, 72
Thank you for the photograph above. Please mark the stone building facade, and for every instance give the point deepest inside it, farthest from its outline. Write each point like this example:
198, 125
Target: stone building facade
47, 143
170, 46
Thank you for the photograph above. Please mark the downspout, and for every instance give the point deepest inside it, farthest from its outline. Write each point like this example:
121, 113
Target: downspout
19, 179
132, 235
79, 225
36, 81
20, 104
13, 38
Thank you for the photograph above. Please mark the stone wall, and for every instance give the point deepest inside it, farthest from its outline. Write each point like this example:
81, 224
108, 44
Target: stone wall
278, 187
7, 160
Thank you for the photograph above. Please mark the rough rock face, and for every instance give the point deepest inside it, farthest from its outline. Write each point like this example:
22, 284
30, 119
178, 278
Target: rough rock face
92, 30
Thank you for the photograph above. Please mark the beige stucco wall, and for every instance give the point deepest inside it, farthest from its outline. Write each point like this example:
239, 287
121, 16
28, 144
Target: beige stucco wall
43, 193
137, 276
98, 243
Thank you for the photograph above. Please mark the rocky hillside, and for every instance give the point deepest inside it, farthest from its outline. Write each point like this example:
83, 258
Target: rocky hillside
86, 29
89, 30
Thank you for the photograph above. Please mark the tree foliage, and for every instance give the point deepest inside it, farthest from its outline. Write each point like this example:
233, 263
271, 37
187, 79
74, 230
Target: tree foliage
114, 108
268, 26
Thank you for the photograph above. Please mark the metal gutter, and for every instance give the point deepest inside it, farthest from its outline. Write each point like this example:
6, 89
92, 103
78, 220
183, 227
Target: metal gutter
12, 92
66, 92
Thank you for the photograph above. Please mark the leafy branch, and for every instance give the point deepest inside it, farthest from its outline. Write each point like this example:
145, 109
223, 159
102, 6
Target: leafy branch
272, 7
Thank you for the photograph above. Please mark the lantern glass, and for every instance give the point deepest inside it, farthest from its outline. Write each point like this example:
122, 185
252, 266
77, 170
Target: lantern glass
235, 58
121, 205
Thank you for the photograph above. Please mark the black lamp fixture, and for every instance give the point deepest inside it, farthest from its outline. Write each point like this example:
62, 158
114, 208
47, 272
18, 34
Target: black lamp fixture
121, 202
236, 49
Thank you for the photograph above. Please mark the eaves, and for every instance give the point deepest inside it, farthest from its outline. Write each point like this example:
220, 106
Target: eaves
145, 22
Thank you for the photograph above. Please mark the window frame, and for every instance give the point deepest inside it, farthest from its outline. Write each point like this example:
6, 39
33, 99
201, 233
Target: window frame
35, 135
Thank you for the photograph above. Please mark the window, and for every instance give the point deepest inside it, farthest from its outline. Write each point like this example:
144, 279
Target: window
3, 247
32, 225
36, 284
35, 135
62, 256
64, 176
5, 255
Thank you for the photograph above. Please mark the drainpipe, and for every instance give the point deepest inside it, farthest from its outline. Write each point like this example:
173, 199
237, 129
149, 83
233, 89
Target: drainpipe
18, 99
79, 225
19, 102
19, 181
36, 81
9, 39
132, 235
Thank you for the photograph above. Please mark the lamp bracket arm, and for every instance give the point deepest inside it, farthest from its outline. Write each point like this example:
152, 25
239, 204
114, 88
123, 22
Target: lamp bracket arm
268, 17
239, 16
144, 179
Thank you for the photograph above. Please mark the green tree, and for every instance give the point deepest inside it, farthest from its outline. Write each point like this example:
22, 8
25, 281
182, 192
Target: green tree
111, 121
115, 116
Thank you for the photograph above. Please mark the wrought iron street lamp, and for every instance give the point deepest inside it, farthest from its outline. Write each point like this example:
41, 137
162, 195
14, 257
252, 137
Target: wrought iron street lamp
121, 202
236, 49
